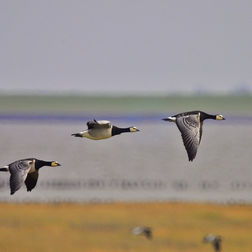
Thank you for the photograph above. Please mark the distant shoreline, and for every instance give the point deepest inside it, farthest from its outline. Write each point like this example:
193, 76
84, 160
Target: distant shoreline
92, 105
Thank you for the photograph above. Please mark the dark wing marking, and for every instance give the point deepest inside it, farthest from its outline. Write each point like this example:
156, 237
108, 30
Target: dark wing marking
201, 130
18, 171
189, 127
31, 180
90, 124
98, 124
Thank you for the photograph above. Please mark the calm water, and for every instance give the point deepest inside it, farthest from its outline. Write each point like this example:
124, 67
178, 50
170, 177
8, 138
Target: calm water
147, 165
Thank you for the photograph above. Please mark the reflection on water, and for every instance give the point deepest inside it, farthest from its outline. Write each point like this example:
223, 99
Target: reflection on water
147, 165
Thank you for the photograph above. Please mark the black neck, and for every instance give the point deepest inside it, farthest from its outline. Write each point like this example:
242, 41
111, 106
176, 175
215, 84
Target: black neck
41, 163
207, 116
117, 131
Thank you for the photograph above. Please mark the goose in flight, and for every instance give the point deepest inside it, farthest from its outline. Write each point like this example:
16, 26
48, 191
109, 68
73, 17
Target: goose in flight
98, 130
146, 231
26, 171
215, 240
190, 125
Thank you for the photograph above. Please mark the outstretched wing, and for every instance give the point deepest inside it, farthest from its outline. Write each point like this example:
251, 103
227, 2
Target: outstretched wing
18, 171
98, 124
31, 180
190, 128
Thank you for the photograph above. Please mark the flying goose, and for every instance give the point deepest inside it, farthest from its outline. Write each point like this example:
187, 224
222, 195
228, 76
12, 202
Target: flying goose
215, 240
25, 171
146, 231
190, 125
98, 130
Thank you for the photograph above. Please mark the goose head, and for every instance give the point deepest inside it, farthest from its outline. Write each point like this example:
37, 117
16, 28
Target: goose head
134, 129
220, 117
55, 164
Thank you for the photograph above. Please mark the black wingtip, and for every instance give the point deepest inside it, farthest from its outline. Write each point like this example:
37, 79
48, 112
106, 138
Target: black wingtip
191, 159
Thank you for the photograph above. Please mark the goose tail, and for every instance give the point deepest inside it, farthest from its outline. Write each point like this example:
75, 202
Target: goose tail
170, 119
77, 135
5, 168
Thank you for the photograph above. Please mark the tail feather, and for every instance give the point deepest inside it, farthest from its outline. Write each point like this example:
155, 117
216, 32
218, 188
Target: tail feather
77, 135
170, 119
5, 168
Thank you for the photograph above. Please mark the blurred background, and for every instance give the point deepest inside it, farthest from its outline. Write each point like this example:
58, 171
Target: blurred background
131, 62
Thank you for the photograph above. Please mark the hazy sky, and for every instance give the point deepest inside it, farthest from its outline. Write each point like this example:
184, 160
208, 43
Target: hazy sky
125, 46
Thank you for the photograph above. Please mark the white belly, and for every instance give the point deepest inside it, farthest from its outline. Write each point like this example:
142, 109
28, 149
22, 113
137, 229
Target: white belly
98, 134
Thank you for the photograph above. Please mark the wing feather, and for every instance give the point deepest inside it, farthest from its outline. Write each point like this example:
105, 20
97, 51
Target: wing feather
190, 128
31, 180
18, 171
98, 124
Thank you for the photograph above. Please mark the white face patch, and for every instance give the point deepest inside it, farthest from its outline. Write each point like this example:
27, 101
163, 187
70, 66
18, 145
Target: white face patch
219, 117
55, 163
134, 129
32, 164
